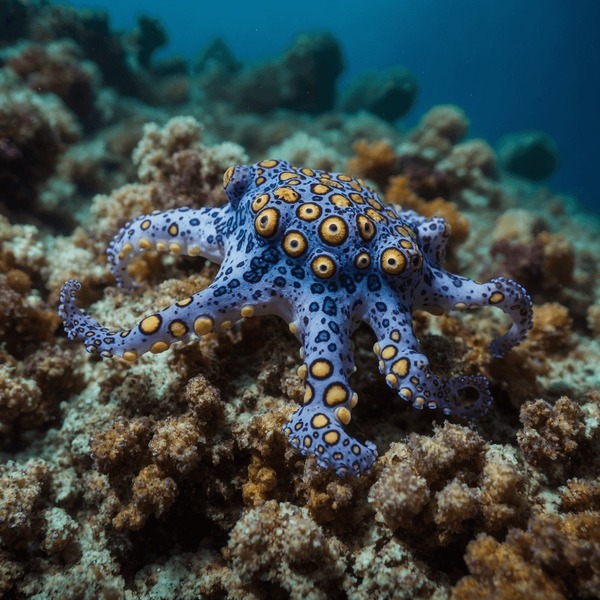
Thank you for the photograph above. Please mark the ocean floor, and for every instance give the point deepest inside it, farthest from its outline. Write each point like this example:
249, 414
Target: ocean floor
170, 476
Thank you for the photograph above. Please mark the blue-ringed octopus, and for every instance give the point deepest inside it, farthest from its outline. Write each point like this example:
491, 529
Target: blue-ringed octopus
324, 253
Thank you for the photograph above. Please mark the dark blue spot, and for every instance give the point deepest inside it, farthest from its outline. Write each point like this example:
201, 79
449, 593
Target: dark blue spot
194, 222
386, 323
279, 281
229, 271
348, 284
298, 272
334, 326
381, 306
329, 307
373, 283
282, 270
220, 291
314, 307
270, 255
323, 336
317, 288
332, 287
234, 283
332, 347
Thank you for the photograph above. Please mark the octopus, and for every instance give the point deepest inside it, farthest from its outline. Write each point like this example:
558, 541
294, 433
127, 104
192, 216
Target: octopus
324, 253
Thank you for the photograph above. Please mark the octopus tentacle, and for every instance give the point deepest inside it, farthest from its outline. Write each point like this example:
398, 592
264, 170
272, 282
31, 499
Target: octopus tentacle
317, 428
192, 232
199, 314
439, 290
407, 369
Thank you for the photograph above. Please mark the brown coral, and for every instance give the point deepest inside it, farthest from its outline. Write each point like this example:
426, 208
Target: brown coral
438, 488
551, 434
374, 161
280, 544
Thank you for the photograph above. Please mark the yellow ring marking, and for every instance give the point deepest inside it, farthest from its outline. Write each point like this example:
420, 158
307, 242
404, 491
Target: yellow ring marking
366, 228
161, 246
400, 367
227, 176
375, 215
150, 324
377, 348
406, 392
335, 394
345, 178
406, 244
259, 180
376, 205
266, 222
308, 393
332, 183
268, 164
357, 198
307, 172
247, 311
320, 189
302, 371
392, 380
307, 441
319, 421
419, 400
331, 437
178, 328
343, 414
355, 449
144, 243
293, 327
362, 260
287, 194
173, 229
393, 261
395, 335
389, 352
354, 400
308, 211
202, 325
123, 334
287, 175
129, 355
496, 297
184, 302
259, 202
321, 369
356, 186
339, 200
333, 231
323, 267
145, 224
159, 347
294, 244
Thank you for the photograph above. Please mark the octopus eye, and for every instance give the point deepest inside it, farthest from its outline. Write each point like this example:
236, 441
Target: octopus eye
294, 244
323, 267
393, 262
266, 222
366, 228
333, 231
362, 260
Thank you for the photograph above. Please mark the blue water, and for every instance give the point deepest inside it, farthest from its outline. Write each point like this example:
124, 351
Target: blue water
511, 65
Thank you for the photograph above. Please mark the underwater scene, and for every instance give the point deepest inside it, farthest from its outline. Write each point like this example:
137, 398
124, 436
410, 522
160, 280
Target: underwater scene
299, 301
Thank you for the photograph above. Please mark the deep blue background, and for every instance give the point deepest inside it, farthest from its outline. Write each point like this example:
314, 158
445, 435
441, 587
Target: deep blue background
511, 65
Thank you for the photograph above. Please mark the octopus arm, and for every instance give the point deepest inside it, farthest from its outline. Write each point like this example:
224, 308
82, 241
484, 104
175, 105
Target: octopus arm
439, 291
318, 427
216, 307
192, 232
407, 369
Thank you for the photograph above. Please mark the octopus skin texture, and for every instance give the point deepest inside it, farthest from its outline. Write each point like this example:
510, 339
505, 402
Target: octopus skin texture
321, 251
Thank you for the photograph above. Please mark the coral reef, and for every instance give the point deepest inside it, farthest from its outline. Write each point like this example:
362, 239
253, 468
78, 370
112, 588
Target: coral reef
171, 477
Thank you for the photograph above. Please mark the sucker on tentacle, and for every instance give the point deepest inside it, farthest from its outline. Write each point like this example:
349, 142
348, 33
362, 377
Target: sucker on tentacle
324, 253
